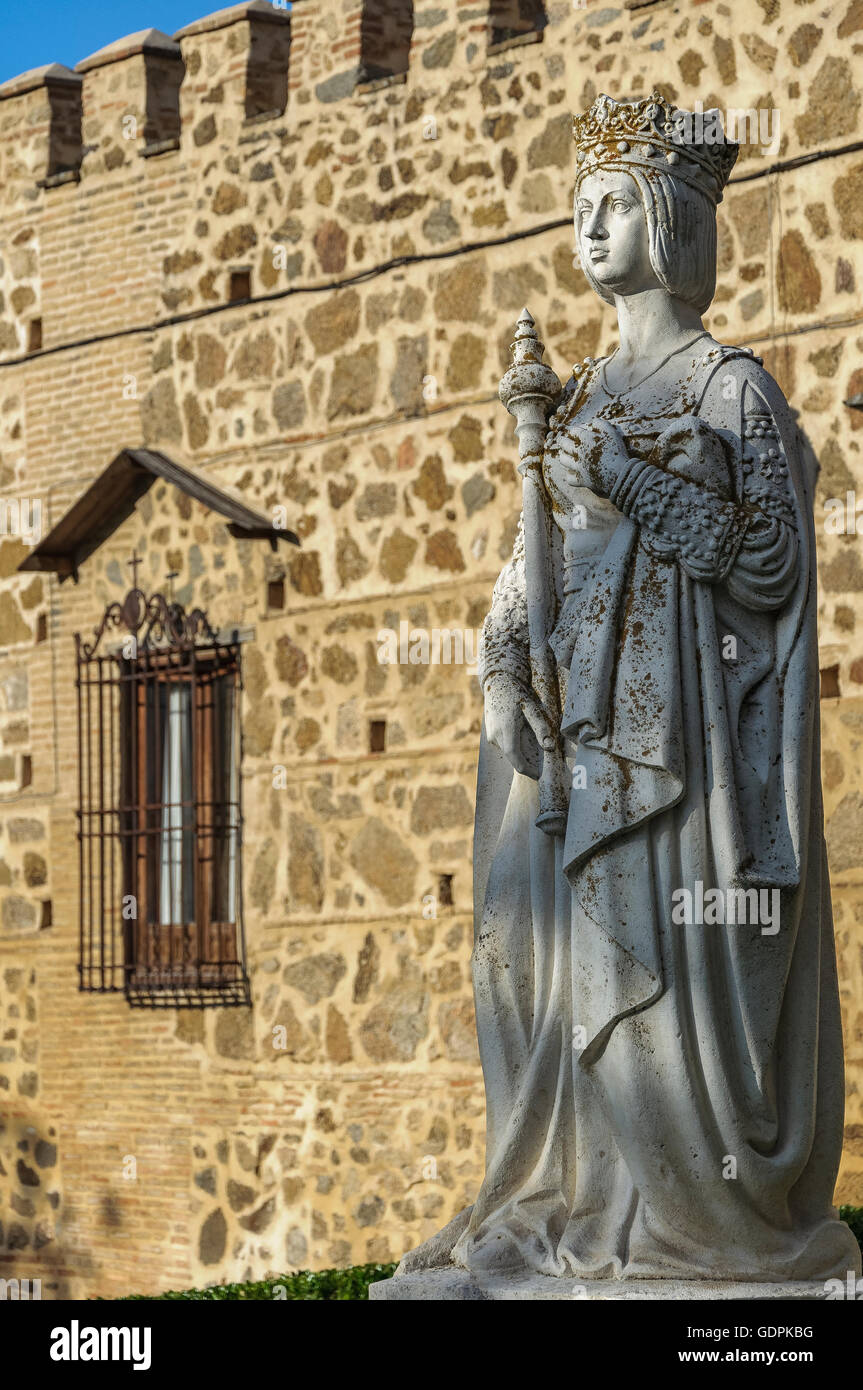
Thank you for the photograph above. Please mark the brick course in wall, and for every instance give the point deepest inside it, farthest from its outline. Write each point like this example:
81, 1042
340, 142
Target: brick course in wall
392, 230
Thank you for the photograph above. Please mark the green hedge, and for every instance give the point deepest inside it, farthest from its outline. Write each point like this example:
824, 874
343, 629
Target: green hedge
854, 1217
346, 1283
305, 1285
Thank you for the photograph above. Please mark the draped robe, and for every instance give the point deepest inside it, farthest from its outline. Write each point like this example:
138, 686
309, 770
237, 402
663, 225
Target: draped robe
663, 1099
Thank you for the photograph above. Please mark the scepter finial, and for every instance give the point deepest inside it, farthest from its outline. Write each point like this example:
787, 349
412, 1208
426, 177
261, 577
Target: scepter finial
528, 377
526, 347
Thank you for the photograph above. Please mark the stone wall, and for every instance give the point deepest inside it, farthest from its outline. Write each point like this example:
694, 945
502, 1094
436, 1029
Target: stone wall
391, 230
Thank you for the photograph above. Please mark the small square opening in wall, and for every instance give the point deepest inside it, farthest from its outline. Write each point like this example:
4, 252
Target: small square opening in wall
26, 770
240, 286
42, 627
47, 915
444, 890
276, 593
34, 335
829, 682
377, 735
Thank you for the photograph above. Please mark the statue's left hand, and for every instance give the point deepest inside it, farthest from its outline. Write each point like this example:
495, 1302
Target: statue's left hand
694, 451
592, 454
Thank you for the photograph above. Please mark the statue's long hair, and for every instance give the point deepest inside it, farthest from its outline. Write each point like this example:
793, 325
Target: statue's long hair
681, 231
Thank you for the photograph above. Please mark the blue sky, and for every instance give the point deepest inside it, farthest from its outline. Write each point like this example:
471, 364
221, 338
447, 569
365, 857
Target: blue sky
33, 32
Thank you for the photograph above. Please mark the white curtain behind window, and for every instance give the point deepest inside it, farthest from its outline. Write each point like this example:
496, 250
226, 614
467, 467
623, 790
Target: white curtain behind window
177, 864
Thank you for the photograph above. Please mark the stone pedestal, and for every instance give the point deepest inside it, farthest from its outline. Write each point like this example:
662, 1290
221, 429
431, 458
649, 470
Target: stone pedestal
452, 1285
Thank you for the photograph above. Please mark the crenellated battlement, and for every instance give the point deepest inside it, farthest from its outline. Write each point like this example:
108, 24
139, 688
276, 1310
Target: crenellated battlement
153, 91
259, 153
238, 115
140, 93
40, 130
138, 78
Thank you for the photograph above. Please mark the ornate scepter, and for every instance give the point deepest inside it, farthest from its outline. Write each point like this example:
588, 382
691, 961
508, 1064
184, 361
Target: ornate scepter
530, 390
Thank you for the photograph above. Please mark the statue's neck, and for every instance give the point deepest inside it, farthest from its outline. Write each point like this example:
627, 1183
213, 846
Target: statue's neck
653, 323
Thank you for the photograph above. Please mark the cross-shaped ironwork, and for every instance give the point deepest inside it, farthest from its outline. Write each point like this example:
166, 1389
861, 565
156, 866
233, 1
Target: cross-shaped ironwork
171, 576
135, 561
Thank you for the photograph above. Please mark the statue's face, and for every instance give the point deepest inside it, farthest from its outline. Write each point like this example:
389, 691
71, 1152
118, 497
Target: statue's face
611, 230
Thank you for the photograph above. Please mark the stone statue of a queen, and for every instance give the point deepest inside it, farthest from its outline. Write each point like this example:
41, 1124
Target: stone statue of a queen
656, 991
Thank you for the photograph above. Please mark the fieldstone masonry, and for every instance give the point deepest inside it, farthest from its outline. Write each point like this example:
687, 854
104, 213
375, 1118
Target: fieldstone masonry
379, 234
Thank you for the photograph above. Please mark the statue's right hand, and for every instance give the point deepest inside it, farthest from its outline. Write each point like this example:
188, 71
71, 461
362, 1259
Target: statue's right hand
517, 724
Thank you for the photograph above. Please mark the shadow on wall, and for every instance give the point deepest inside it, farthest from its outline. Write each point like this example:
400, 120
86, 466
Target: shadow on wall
30, 1190
30, 1205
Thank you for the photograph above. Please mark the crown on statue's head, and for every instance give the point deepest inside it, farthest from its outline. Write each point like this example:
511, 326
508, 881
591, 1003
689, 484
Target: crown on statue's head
652, 134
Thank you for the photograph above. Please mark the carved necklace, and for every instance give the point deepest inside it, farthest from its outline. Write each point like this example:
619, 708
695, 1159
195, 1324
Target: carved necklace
634, 385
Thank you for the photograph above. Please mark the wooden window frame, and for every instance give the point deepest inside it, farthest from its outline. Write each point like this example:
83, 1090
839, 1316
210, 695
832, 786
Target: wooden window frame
126, 943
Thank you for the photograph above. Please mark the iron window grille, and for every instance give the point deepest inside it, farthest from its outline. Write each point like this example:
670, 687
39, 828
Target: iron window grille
159, 810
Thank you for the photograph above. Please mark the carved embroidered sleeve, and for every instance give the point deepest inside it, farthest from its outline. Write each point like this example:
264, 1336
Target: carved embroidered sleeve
750, 545
687, 522
504, 643
765, 571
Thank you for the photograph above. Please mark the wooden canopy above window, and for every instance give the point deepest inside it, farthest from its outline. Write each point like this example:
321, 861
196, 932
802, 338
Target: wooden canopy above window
112, 498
